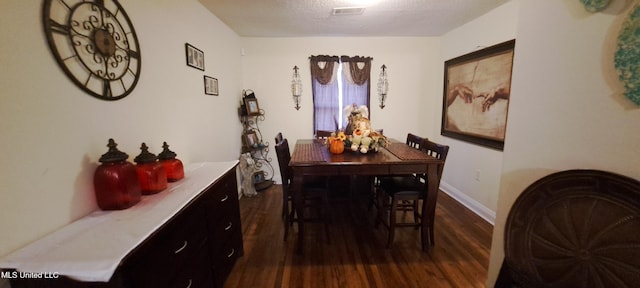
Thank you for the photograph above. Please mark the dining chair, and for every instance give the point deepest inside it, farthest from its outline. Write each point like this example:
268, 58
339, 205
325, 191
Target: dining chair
279, 137
322, 134
314, 193
405, 193
412, 140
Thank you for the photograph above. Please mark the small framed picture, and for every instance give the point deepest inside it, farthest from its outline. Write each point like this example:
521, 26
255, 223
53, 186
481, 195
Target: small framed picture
252, 106
210, 85
250, 139
195, 57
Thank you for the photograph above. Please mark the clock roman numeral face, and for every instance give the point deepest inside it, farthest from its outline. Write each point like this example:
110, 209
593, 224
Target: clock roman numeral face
95, 45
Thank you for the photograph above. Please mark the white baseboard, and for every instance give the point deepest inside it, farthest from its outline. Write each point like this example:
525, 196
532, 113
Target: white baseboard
473, 205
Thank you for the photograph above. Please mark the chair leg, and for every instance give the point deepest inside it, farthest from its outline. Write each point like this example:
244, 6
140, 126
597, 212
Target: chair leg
381, 206
373, 192
416, 215
286, 221
326, 216
289, 218
289, 215
285, 205
392, 222
423, 237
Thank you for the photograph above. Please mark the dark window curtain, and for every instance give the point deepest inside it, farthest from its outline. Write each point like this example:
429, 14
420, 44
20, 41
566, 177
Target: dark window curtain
325, 92
356, 73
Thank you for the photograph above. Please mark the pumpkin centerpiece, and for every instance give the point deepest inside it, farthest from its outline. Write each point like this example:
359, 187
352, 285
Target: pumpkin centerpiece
336, 142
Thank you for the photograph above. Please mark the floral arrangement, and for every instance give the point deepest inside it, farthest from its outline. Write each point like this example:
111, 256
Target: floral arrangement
362, 140
361, 137
365, 140
358, 135
337, 136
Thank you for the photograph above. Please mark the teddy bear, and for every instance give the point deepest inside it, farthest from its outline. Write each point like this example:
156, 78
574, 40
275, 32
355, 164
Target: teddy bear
362, 137
365, 144
360, 140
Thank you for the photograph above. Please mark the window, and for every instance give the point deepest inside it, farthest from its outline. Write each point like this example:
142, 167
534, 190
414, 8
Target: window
336, 83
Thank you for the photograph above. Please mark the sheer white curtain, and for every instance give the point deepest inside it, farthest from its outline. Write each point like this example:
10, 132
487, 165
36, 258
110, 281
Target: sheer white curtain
352, 93
325, 103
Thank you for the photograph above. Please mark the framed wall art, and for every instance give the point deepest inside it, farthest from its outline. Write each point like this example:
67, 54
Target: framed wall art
210, 85
251, 105
477, 87
195, 57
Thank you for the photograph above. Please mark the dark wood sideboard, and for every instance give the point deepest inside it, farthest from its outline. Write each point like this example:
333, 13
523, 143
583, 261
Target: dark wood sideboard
196, 247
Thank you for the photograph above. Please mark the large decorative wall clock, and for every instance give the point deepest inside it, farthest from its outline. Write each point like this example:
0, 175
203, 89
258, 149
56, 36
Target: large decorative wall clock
95, 44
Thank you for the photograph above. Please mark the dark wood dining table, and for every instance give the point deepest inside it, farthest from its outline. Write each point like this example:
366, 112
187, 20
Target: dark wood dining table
311, 157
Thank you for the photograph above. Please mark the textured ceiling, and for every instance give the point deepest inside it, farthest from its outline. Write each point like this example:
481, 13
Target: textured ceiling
308, 18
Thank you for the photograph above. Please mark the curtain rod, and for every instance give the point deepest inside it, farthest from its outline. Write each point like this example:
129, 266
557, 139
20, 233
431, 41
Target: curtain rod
341, 58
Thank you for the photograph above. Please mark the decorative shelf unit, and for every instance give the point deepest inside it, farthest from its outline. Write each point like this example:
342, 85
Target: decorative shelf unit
253, 142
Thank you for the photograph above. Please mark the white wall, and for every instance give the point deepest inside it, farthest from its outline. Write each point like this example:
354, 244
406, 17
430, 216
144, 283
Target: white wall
414, 70
52, 133
567, 110
464, 158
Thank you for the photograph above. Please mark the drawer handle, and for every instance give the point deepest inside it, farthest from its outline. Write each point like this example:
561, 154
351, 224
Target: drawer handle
233, 251
228, 226
225, 198
190, 282
181, 248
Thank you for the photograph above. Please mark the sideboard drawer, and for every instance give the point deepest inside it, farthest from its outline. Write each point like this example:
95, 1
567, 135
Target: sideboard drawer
225, 258
163, 255
196, 273
223, 231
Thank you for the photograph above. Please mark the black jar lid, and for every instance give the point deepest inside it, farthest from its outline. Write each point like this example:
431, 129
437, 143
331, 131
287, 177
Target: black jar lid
113, 155
166, 154
145, 156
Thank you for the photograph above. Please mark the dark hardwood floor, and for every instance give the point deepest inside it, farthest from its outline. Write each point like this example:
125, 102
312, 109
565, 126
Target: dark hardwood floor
356, 256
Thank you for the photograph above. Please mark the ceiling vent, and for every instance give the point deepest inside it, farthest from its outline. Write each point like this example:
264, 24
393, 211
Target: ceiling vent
345, 11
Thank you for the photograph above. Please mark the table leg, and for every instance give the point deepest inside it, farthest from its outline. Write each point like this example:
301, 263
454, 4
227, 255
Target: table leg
298, 206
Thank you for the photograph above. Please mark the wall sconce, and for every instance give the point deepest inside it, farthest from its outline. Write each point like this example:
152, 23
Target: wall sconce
296, 87
383, 86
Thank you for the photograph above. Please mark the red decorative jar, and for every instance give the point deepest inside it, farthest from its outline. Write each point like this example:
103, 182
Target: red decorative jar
151, 175
173, 166
115, 181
